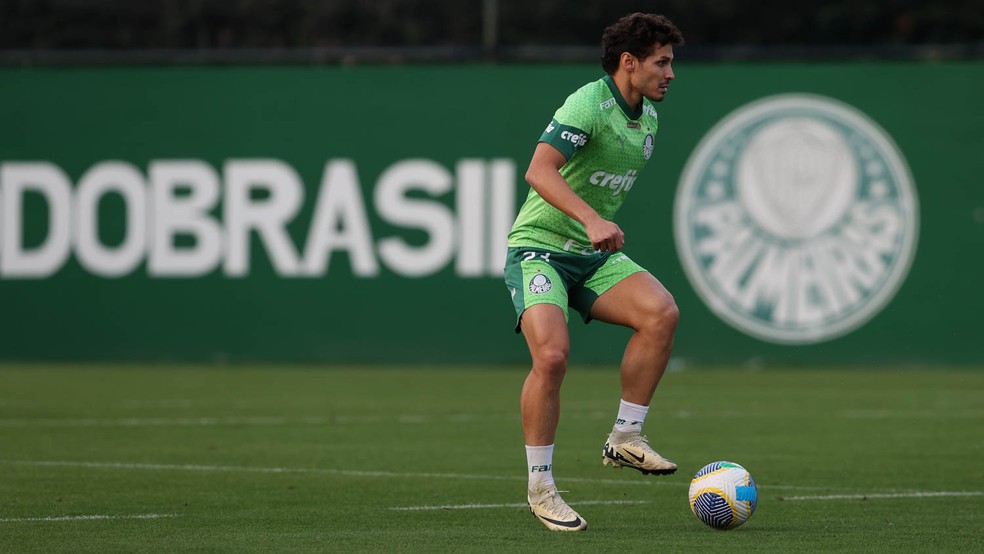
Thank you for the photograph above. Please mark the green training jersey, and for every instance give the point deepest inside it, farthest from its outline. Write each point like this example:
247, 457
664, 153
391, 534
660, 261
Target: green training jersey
606, 144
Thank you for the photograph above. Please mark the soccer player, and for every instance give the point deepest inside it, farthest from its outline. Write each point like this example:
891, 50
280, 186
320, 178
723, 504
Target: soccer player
565, 250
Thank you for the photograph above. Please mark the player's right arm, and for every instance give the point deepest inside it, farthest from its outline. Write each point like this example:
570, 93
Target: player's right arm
545, 178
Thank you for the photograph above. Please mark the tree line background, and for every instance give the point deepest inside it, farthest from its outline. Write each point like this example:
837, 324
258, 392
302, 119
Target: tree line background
487, 25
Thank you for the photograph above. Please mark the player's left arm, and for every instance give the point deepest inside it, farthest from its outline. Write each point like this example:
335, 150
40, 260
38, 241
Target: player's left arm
545, 178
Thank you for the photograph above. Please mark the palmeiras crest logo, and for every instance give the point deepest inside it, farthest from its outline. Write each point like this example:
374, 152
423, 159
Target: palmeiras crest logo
648, 145
540, 284
796, 219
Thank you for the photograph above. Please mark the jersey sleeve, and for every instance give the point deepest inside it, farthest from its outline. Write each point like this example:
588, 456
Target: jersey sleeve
572, 125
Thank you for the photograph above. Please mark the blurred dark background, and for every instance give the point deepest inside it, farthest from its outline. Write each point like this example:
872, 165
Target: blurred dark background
549, 30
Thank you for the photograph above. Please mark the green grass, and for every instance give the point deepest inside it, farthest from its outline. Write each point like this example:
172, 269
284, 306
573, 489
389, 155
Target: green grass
319, 459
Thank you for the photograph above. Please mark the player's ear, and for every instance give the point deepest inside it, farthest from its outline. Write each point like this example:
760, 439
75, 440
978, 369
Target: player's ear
628, 61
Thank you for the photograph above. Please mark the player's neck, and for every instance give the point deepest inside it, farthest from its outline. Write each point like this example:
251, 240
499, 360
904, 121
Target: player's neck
632, 97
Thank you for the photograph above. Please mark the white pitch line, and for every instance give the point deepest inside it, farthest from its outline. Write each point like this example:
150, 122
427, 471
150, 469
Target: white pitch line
916, 494
367, 473
589, 502
510, 505
96, 517
153, 422
413, 419
316, 471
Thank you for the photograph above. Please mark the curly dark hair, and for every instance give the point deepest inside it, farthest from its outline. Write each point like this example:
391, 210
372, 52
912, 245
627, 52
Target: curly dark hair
638, 34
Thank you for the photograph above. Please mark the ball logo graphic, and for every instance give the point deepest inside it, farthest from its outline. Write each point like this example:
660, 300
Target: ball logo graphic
796, 219
540, 284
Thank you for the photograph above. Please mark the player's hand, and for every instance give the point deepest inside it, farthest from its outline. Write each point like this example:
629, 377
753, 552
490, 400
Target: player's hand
605, 236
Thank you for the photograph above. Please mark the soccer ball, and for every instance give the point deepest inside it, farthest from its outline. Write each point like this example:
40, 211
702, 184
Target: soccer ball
723, 495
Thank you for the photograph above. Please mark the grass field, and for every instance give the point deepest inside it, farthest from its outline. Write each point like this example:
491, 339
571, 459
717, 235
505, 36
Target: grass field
324, 459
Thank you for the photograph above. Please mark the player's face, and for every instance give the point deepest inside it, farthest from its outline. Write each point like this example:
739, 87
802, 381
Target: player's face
654, 73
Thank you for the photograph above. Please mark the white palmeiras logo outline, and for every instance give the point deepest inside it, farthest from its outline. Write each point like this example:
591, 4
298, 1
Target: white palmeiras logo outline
796, 219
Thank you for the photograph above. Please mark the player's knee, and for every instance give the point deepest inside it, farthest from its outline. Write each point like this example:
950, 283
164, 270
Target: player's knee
662, 316
670, 313
551, 360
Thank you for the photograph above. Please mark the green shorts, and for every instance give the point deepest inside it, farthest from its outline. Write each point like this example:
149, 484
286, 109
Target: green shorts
538, 276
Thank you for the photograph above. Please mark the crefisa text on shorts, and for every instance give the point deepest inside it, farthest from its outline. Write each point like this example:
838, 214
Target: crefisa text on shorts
796, 219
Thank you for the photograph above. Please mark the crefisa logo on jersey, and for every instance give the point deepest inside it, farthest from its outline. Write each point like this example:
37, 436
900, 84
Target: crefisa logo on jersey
796, 219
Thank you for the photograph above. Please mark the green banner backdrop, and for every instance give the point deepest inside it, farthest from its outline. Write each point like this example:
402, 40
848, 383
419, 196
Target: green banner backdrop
806, 213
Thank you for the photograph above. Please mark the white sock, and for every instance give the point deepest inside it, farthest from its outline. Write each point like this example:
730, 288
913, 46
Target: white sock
539, 464
630, 417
